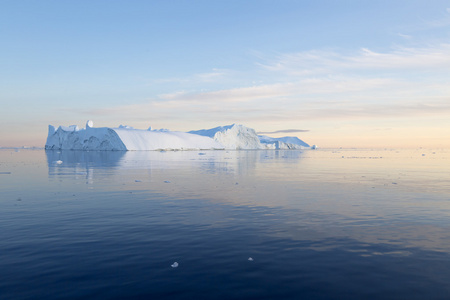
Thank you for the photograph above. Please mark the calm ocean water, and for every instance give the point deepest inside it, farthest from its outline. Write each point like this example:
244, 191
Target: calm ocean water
318, 224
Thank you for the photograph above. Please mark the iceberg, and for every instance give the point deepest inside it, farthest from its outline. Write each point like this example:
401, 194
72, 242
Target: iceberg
126, 138
285, 143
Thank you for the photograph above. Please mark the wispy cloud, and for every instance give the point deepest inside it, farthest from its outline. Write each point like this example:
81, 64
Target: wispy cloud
283, 131
214, 75
405, 36
321, 62
303, 87
312, 85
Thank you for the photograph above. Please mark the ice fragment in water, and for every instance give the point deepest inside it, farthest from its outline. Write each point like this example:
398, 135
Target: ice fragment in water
59, 162
174, 265
250, 259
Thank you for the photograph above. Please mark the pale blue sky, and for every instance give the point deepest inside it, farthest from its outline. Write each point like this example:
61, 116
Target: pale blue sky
352, 73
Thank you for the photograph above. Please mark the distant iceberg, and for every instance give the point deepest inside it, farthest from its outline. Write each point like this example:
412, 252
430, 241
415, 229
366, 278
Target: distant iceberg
124, 138
287, 142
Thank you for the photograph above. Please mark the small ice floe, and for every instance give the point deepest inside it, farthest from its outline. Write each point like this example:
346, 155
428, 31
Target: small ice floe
58, 162
250, 259
202, 153
174, 265
166, 181
137, 180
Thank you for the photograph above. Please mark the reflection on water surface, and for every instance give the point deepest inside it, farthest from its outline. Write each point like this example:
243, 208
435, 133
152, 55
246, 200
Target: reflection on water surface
319, 224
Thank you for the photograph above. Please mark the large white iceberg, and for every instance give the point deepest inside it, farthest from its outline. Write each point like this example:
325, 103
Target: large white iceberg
125, 138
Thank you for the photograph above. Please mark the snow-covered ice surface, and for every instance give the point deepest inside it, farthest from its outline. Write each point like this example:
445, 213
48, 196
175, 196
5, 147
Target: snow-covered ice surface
135, 139
123, 138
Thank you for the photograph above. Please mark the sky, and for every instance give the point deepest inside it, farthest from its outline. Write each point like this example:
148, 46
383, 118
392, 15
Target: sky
348, 73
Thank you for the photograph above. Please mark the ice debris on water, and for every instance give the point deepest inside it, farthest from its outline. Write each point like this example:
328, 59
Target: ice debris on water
59, 162
250, 259
174, 265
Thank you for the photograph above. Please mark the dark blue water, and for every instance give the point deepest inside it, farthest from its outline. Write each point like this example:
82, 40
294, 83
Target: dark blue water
318, 225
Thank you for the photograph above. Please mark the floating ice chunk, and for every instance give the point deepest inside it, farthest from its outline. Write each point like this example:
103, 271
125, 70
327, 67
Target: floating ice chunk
250, 259
174, 265
89, 124
202, 153
59, 162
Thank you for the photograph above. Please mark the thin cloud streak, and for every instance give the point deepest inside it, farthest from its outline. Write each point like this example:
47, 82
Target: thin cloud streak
349, 111
320, 62
301, 87
207, 77
283, 131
